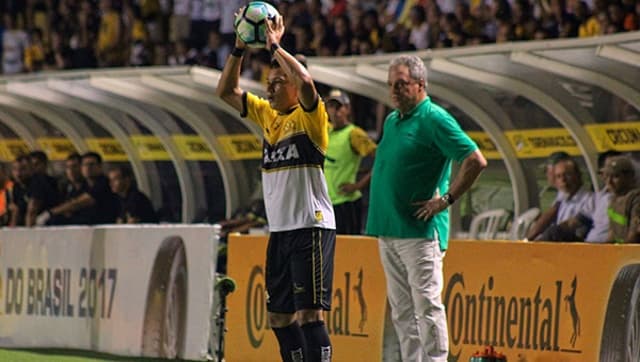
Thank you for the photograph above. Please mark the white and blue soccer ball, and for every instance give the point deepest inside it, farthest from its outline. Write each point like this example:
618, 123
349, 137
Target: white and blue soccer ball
250, 24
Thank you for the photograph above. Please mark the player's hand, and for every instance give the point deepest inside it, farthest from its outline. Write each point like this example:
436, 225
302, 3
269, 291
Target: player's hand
348, 188
428, 208
42, 219
274, 31
239, 43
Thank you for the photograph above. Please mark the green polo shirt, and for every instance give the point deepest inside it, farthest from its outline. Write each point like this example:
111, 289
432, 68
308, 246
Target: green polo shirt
413, 162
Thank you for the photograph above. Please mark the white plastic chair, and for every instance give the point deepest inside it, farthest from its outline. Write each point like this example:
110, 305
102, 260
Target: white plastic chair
484, 226
522, 223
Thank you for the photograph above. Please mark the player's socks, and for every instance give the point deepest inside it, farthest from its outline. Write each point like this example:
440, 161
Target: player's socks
318, 343
292, 342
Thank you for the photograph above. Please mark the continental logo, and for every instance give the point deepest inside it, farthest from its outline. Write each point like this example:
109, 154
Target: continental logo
541, 142
348, 315
481, 317
615, 136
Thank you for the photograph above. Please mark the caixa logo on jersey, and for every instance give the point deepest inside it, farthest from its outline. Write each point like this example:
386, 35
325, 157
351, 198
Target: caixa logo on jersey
481, 316
348, 315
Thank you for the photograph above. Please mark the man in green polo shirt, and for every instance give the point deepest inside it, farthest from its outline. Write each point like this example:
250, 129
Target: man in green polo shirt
348, 144
408, 208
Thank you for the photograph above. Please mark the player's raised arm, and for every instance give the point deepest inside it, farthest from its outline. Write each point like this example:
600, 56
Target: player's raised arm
228, 86
291, 66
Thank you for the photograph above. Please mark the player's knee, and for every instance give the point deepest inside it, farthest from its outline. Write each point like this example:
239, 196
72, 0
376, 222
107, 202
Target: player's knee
309, 315
281, 320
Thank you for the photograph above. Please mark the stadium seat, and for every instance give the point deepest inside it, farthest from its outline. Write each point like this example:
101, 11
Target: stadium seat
522, 223
484, 226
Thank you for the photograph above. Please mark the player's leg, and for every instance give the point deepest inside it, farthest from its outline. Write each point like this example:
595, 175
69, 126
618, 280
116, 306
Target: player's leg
341, 212
312, 269
280, 299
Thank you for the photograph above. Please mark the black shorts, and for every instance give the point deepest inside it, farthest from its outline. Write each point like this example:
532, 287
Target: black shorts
299, 270
349, 217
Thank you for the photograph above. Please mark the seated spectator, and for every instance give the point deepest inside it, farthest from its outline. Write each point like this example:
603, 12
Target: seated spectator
43, 188
597, 218
6, 188
601, 200
624, 209
21, 176
244, 219
577, 201
553, 159
98, 204
134, 207
71, 187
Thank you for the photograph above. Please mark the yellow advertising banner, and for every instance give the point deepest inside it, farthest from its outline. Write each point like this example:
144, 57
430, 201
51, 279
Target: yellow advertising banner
150, 148
534, 302
485, 144
241, 146
109, 148
355, 322
12, 148
193, 147
56, 148
541, 142
623, 136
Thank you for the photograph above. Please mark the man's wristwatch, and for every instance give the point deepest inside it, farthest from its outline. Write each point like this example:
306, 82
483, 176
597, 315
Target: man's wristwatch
448, 199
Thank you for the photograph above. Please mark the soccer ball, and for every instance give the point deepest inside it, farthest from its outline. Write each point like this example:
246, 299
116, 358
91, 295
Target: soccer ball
250, 23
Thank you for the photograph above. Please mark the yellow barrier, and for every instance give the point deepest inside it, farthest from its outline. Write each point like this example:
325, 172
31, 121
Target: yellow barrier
355, 322
534, 302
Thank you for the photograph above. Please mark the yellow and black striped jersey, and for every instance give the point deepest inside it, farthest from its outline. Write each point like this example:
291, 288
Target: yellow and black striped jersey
293, 182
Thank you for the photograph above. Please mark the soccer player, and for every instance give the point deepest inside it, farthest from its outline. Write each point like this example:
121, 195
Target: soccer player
299, 268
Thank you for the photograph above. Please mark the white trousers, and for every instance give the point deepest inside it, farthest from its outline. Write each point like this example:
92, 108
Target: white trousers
413, 269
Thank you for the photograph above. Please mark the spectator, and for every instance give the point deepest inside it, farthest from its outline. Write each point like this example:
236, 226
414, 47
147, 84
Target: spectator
215, 53
6, 188
110, 49
577, 200
71, 187
21, 176
624, 209
34, 55
553, 159
14, 44
596, 220
419, 33
180, 21
98, 204
348, 144
43, 188
601, 201
134, 206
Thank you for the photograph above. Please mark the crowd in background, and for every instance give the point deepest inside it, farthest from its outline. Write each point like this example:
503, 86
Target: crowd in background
85, 195
42, 35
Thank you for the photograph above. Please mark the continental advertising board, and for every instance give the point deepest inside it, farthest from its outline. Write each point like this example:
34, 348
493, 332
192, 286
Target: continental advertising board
355, 322
535, 302
543, 301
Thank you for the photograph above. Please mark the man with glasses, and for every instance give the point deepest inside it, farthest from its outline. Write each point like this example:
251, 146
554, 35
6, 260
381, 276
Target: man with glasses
408, 209
300, 252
